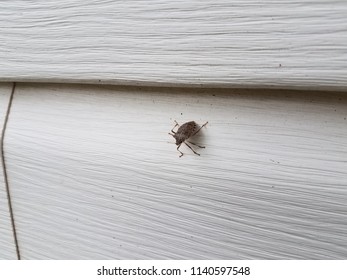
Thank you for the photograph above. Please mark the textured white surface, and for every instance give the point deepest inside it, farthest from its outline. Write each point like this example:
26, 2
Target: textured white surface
240, 43
94, 175
7, 247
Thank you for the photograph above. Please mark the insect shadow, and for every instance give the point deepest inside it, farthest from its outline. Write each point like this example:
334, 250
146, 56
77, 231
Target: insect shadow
184, 133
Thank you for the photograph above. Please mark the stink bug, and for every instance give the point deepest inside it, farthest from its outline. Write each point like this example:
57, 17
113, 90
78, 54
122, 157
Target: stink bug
184, 132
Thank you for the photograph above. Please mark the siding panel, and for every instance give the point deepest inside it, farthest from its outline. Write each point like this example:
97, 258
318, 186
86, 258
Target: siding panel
95, 175
241, 43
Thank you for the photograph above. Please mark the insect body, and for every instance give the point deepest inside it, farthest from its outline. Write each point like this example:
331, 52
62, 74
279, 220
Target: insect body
184, 132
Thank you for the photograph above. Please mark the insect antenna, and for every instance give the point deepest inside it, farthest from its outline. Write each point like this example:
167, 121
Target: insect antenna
179, 150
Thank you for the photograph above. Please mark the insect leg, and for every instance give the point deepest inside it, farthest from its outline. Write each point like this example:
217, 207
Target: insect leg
174, 127
199, 128
179, 150
196, 144
192, 149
